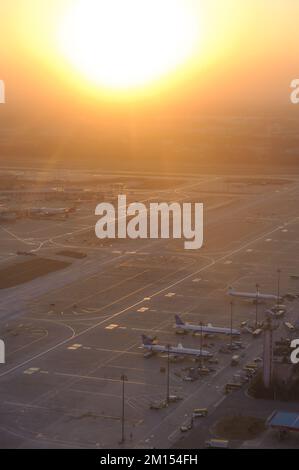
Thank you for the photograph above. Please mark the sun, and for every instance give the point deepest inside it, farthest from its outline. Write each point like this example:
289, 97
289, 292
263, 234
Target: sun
127, 44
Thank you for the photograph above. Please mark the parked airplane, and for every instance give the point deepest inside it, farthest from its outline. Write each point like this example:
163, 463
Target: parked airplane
174, 351
252, 295
50, 211
205, 329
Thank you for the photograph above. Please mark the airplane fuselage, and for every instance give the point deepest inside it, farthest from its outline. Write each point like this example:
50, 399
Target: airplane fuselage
207, 330
252, 295
177, 351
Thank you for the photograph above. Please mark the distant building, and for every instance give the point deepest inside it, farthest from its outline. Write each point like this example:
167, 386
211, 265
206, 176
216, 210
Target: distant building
51, 194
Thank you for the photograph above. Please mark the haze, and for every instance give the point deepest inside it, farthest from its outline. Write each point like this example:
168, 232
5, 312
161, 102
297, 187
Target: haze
243, 65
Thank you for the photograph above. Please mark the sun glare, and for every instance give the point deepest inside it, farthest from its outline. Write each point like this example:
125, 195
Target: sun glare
126, 44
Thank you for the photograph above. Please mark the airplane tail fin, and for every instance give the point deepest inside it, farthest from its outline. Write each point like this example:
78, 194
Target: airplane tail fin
179, 321
146, 341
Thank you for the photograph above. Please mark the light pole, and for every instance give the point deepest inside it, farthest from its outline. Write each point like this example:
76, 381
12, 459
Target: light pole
231, 324
256, 305
168, 375
201, 343
123, 379
278, 285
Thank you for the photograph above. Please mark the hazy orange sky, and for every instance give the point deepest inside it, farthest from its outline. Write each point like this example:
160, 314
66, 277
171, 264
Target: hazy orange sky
243, 63
247, 57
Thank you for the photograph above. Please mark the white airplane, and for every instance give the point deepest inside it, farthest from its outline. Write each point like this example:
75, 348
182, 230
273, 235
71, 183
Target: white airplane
207, 330
49, 211
252, 295
174, 351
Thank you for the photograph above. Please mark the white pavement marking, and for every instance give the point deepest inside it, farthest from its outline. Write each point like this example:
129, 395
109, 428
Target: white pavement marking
165, 289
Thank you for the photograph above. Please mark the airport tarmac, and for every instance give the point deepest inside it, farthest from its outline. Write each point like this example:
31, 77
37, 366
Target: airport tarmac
72, 333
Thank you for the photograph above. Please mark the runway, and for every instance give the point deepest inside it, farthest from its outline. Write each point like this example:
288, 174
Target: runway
71, 334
